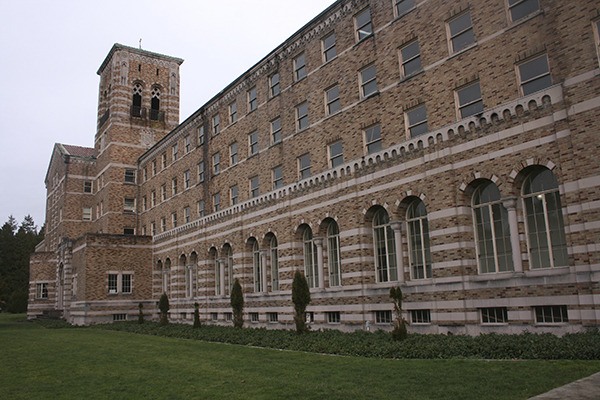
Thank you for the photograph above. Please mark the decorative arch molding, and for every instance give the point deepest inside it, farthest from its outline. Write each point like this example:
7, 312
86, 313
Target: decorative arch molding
468, 180
530, 162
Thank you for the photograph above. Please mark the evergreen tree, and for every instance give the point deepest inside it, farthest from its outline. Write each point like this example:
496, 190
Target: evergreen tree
141, 313
399, 332
237, 304
301, 299
196, 315
163, 306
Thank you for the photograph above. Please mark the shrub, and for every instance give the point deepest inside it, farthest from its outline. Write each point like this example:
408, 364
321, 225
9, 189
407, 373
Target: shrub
163, 306
141, 313
237, 304
196, 315
301, 299
399, 332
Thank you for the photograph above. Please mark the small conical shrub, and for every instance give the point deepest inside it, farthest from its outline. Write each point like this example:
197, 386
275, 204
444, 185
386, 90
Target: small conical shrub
163, 306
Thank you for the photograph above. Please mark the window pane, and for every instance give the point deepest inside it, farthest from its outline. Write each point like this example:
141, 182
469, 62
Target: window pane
522, 8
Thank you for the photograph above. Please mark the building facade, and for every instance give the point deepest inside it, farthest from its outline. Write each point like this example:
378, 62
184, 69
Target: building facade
444, 147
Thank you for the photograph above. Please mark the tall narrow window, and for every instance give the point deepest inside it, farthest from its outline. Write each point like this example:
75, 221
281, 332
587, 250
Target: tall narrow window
333, 253
233, 153
544, 220
535, 75
174, 219
228, 252
214, 258
200, 208
416, 121
410, 56
216, 198
136, 106
403, 6
187, 216
274, 87
373, 139
368, 81
187, 143
332, 100
385, 247
469, 100
304, 166
253, 143
521, 8
174, 186
201, 135
233, 195
201, 171
494, 252
274, 258
277, 175
310, 258
336, 154
460, 32
216, 124
363, 25
328, 45
186, 179
276, 130
252, 100
254, 186
155, 105
232, 112
418, 240
175, 152
300, 67
302, 116
216, 159
257, 267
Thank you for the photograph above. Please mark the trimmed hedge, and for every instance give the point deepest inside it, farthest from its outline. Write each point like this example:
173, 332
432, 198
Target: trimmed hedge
576, 346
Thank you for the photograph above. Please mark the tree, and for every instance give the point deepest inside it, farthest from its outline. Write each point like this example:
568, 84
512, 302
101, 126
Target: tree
196, 315
399, 332
163, 306
141, 313
237, 304
301, 299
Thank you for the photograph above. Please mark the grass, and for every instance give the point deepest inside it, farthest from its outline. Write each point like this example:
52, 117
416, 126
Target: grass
96, 364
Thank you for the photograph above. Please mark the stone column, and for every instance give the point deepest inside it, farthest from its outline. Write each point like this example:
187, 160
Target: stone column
397, 228
319, 244
510, 203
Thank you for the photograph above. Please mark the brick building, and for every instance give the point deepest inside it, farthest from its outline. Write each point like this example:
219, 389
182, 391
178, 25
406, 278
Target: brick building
445, 147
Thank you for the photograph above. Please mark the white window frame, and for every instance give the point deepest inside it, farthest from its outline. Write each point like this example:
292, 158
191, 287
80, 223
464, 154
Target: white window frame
276, 131
460, 107
407, 59
252, 99
335, 159
186, 179
277, 180
302, 121
416, 124
254, 185
370, 142
363, 29
233, 195
333, 104
253, 148
41, 290
537, 78
328, 48
384, 244
420, 317
418, 227
367, 81
117, 286
129, 205
233, 154
216, 124
452, 45
402, 7
86, 214
493, 315
216, 161
304, 167
232, 112
300, 70
274, 84
514, 4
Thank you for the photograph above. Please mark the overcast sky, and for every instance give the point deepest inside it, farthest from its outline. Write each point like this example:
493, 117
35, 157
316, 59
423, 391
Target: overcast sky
50, 51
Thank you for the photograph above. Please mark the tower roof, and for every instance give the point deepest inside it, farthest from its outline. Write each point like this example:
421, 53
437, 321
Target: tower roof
117, 47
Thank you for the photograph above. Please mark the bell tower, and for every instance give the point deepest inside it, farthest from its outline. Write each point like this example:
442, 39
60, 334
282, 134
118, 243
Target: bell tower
138, 104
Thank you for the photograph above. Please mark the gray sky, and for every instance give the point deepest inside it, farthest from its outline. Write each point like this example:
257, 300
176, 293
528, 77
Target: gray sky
50, 52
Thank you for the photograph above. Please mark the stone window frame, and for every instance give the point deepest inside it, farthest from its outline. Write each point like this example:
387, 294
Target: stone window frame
252, 95
512, 5
493, 315
328, 47
525, 80
454, 31
335, 159
333, 103
163, 192
216, 163
174, 222
417, 231
277, 179
460, 106
119, 282
303, 161
302, 120
174, 187
403, 7
407, 59
187, 144
216, 199
413, 124
232, 112
276, 135
551, 314
129, 205
86, 213
383, 317
373, 144
129, 175
274, 85
233, 195
333, 317
200, 208
253, 146
363, 27
367, 81
596, 29
87, 186
201, 171
233, 154
384, 246
187, 179
216, 124
175, 152
254, 186
420, 317
41, 290
299, 65
187, 214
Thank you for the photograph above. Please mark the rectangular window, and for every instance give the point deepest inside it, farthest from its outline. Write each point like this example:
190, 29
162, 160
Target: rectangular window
186, 179
336, 154
401, 7
272, 317
216, 202
128, 231
333, 317
163, 224
153, 167
233, 195
494, 315
153, 198
145, 174
112, 283
216, 161
551, 314
253, 143
362, 22
410, 56
274, 88
277, 174
216, 125
332, 100
460, 32
232, 112
373, 139
174, 220
175, 152
87, 186
276, 130
153, 228
200, 208
233, 153
214, 316
163, 192
416, 121
201, 171
174, 186
521, 8
253, 317
163, 160
144, 203
328, 45
299, 67
129, 205
254, 186
201, 135
383, 317
368, 81
41, 290
304, 166
302, 116
534, 75
130, 176
87, 214
469, 100
187, 215
252, 100
596, 29
126, 283
420, 317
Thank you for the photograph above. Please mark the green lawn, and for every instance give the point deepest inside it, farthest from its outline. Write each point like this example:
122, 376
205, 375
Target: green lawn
41, 363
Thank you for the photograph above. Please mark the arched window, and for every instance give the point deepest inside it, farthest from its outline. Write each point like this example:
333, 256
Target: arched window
136, 106
159, 268
166, 276
418, 240
257, 267
274, 258
310, 258
492, 231
192, 270
184, 269
228, 254
544, 220
333, 253
214, 260
385, 247
155, 104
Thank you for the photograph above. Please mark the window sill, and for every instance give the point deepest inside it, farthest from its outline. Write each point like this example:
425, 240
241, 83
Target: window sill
300, 80
513, 24
399, 17
462, 51
371, 95
366, 38
411, 76
547, 271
